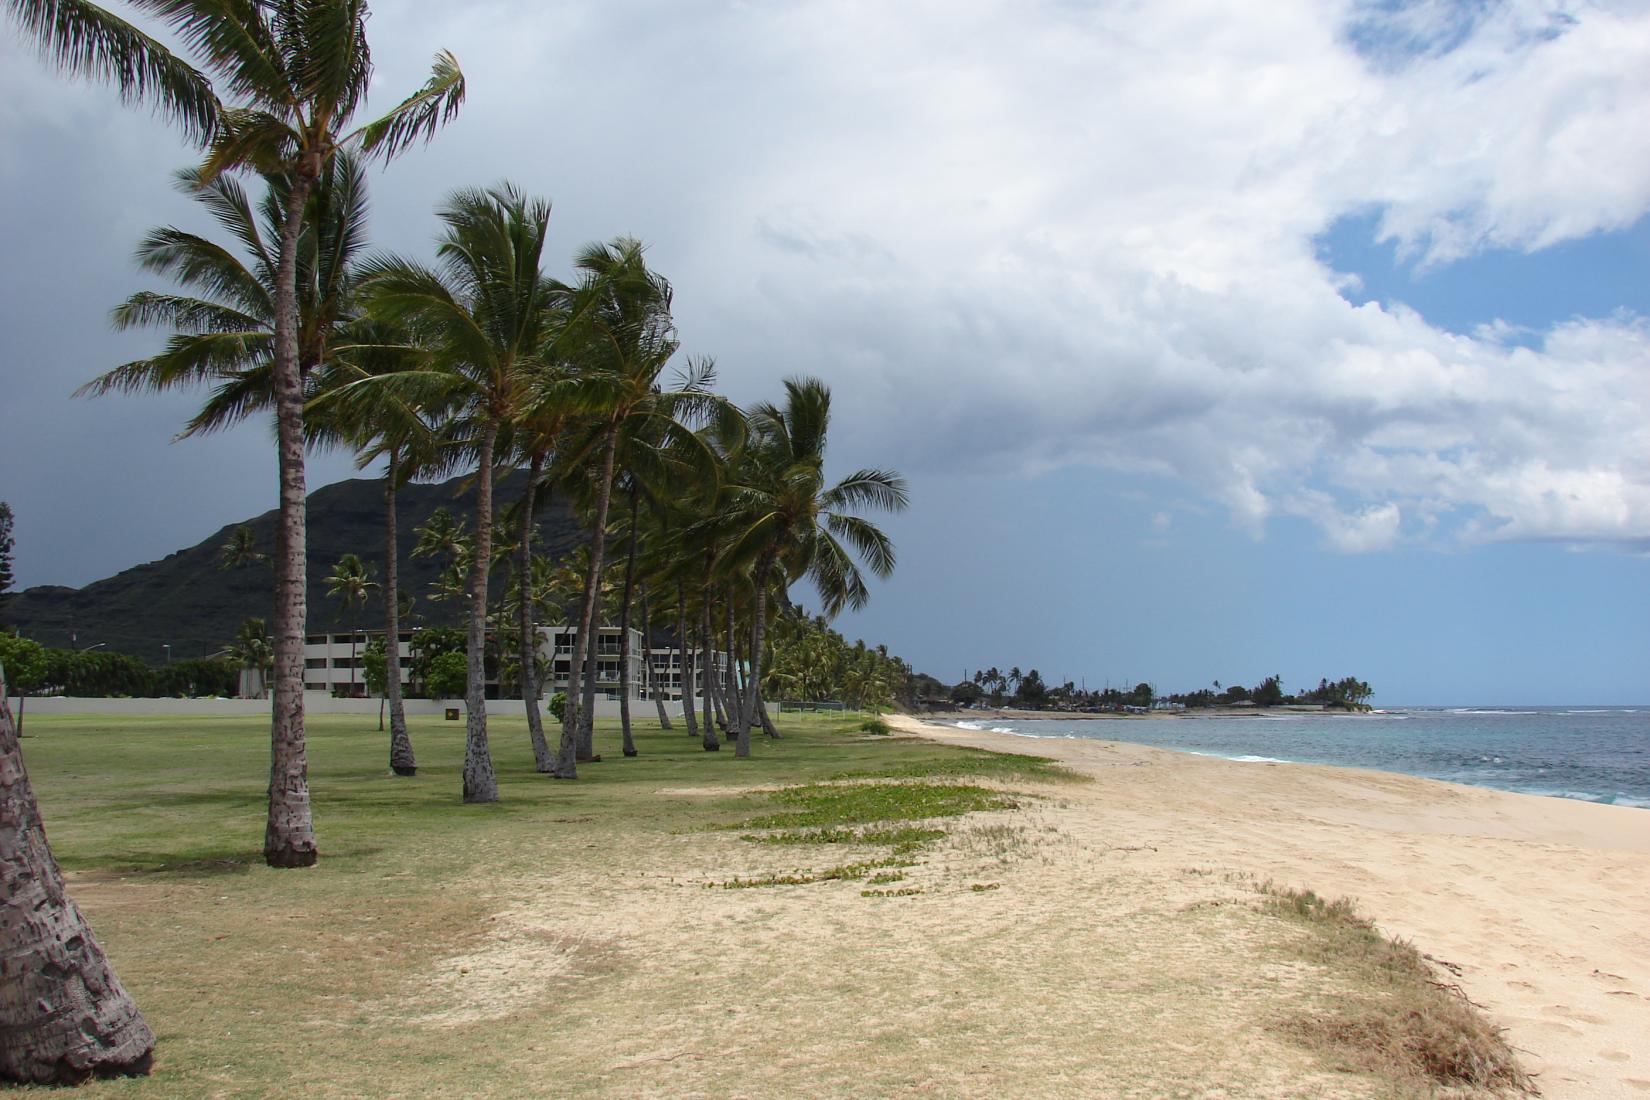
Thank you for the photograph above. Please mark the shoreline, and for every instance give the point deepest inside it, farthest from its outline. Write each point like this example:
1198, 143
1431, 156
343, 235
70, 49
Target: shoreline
954, 720
1540, 905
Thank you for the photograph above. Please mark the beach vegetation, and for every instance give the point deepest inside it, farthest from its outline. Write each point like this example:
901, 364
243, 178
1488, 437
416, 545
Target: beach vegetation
1391, 1014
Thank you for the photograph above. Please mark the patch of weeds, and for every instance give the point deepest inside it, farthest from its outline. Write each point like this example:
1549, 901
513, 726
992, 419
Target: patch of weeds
876, 726
848, 872
982, 887
829, 804
1398, 1020
907, 838
882, 878
1002, 842
903, 892
974, 763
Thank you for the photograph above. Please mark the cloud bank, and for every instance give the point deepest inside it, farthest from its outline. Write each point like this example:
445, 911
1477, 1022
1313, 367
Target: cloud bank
1017, 236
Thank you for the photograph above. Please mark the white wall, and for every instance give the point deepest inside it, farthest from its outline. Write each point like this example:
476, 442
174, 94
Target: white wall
315, 702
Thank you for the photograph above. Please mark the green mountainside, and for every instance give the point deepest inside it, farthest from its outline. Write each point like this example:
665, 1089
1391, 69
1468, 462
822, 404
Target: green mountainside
186, 601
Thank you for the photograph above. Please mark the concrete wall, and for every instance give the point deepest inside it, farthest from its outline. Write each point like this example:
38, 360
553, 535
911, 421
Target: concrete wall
315, 702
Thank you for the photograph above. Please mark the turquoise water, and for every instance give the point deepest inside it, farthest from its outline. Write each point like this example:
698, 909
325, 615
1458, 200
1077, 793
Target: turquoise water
1598, 754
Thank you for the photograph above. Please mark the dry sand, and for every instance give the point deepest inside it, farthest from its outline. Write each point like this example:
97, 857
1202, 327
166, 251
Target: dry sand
1541, 905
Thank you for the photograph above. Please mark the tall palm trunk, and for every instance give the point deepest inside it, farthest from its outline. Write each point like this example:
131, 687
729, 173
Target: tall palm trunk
647, 664
64, 1016
712, 741
731, 674
715, 679
598, 540
480, 784
543, 762
289, 834
686, 643
758, 627
402, 761
587, 712
767, 723
624, 632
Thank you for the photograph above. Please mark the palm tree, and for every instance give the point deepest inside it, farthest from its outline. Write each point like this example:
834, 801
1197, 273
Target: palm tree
64, 1016
300, 71
482, 316
624, 310
240, 549
790, 520
252, 649
350, 583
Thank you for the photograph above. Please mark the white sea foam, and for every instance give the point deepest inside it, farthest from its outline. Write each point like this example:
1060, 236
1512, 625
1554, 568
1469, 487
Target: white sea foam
969, 726
1488, 710
1241, 759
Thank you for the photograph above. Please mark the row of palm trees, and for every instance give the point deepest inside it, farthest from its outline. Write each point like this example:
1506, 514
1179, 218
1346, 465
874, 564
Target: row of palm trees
478, 361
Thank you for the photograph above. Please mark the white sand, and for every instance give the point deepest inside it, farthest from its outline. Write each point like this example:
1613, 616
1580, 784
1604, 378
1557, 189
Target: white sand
1543, 904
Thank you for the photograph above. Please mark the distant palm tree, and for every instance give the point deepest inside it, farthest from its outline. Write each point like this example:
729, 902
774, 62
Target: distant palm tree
240, 549
350, 583
790, 520
482, 315
252, 649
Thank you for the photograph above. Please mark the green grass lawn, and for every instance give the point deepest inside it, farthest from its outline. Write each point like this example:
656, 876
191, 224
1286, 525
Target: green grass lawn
259, 982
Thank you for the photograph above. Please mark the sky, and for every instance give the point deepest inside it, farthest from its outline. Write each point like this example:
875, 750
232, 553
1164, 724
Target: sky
1215, 341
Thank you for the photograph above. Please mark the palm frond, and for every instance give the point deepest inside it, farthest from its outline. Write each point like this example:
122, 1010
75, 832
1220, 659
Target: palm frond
89, 41
867, 539
417, 117
868, 488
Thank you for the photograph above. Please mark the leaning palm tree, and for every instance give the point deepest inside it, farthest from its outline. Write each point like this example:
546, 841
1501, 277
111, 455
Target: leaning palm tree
350, 583
482, 319
789, 520
64, 1016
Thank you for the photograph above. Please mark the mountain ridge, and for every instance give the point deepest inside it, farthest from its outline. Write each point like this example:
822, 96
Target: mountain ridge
185, 601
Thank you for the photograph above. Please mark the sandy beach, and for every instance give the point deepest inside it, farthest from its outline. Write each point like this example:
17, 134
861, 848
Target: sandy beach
1541, 906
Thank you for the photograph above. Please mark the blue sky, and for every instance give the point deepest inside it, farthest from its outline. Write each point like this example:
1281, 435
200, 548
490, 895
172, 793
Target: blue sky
1220, 341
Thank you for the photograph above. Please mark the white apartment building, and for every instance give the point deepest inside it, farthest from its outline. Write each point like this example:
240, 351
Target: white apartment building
333, 663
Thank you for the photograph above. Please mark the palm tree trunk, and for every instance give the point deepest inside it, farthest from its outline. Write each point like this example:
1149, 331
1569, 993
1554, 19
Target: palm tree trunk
715, 680
686, 644
712, 742
731, 675
402, 761
480, 784
647, 663
587, 713
624, 632
758, 627
64, 1016
767, 723
598, 541
543, 762
289, 834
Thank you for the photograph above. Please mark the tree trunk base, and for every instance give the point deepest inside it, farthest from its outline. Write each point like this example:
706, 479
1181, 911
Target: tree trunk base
405, 771
713, 748
631, 752
480, 798
291, 857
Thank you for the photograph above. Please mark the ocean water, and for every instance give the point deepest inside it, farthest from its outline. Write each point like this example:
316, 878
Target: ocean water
1598, 754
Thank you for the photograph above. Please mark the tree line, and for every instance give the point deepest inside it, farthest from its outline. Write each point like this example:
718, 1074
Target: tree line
993, 687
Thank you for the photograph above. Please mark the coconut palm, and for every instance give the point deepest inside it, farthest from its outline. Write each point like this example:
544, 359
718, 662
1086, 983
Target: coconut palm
252, 649
350, 583
65, 1016
240, 549
482, 316
789, 520
298, 72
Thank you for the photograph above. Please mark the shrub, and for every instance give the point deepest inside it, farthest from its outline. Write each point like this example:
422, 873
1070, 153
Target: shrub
875, 725
449, 676
558, 705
